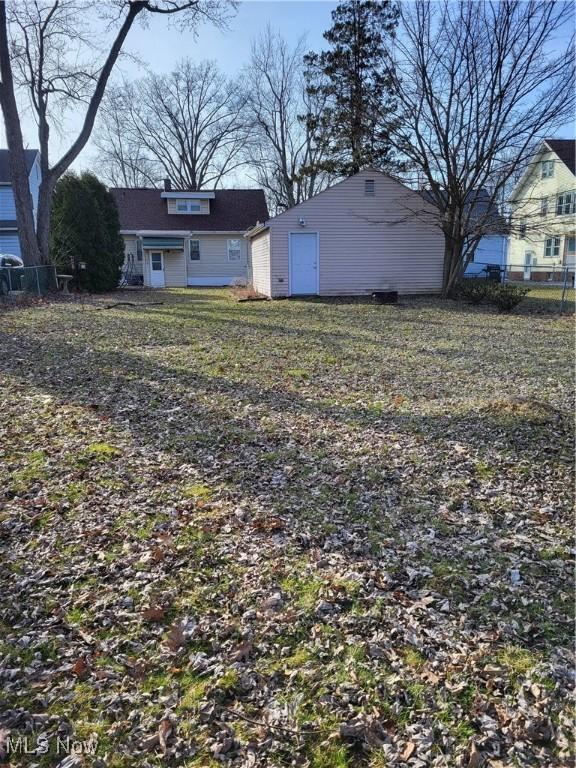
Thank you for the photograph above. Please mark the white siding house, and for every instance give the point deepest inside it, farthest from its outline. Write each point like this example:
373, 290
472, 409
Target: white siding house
366, 233
9, 240
187, 238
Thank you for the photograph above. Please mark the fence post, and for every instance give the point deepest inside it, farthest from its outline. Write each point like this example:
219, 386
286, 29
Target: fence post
55, 277
564, 287
9, 280
37, 280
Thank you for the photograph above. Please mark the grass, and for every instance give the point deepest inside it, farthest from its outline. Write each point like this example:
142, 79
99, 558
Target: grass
379, 471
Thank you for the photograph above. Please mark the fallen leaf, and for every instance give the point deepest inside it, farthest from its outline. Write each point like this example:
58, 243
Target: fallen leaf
176, 638
409, 750
153, 614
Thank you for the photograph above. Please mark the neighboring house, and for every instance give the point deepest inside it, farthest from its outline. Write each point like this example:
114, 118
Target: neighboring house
9, 240
179, 238
543, 208
366, 233
492, 250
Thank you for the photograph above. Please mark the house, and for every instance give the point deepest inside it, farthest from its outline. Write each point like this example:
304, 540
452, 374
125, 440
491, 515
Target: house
9, 240
492, 250
180, 238
366, 233
543, 205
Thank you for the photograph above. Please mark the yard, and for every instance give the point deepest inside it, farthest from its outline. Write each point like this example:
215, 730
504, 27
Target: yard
300, 533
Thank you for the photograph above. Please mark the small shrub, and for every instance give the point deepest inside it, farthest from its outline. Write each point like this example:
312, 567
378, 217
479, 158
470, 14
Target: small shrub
506, 296
472, 289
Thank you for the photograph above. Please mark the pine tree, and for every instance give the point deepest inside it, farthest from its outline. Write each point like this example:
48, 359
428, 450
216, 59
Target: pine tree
354, 79
85, 236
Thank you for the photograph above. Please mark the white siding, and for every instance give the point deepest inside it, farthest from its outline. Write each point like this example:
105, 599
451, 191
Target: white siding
174, 269
260, 262
384, 241
7, 206
213, 267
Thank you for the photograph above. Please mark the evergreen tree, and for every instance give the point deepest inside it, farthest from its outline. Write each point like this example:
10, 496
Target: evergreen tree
353, 77
85, 235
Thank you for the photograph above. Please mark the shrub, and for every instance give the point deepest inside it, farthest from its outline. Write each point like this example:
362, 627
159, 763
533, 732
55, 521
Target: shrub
506, 296
472, 289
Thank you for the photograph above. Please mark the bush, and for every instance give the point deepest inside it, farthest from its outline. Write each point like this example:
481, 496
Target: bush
86, 230
504, 296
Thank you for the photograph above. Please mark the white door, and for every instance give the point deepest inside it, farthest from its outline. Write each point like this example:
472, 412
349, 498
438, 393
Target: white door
157, 269
303, 263
528, 265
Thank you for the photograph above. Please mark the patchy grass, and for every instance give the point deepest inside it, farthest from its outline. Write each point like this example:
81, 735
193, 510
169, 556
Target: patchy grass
324, 533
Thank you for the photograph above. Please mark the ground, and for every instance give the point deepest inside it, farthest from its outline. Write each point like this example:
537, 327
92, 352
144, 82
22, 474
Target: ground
294, 533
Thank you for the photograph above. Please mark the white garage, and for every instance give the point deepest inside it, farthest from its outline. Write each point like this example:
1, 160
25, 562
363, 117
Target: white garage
366, 233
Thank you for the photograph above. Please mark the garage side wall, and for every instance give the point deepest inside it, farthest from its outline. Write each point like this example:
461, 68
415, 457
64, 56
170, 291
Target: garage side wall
380, 241
260, 262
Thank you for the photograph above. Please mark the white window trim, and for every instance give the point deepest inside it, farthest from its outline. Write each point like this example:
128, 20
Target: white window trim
188, 203
194, 240
554, 247
566, 203
547, 169
234, 250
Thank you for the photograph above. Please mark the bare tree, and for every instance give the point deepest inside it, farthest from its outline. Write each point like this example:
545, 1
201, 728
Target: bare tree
187, 125
121, 158
479, 84
35, 39
285, 149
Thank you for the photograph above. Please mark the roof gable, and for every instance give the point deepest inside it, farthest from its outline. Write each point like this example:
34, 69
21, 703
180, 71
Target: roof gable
29, 156
564, 149
231, 210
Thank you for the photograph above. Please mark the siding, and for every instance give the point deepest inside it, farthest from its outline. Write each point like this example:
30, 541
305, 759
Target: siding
213, 262
7, 206
527, 206
260, 262
491, 249
9, 243
174, 269
366, 243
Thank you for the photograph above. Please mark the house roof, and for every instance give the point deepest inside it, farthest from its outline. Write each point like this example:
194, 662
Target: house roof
484, 210
566, 151
29, 155
231, 210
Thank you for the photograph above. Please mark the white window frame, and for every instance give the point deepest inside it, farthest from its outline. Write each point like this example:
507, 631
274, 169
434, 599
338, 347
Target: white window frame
552, 247
232, 250
194, 240
566, 203
567, 245
190, 205
547, 169
544, 206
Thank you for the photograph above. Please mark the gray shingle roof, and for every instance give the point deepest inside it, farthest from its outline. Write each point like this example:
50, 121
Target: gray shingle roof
29, 154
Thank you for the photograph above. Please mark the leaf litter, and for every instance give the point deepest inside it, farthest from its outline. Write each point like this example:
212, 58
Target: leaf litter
208, 559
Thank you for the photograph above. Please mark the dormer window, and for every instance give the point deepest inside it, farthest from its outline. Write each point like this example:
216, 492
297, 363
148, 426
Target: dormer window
188, 206
369, 188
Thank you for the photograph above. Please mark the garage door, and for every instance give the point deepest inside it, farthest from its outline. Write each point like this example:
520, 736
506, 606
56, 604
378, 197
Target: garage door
303, 263
9, 243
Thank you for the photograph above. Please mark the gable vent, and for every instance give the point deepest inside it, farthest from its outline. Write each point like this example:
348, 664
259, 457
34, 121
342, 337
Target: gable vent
369, 187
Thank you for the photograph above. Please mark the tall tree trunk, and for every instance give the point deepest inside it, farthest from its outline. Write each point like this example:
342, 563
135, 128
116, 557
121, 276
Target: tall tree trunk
45, 195
453, 249
18, 168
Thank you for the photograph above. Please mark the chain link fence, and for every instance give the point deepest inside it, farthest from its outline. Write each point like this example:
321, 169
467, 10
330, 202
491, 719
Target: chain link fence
38, 280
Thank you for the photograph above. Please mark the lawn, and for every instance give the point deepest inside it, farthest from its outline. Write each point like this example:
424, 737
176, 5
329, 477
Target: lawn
294, 533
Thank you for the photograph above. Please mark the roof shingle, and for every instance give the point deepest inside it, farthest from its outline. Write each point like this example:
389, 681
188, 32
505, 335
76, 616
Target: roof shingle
231, 210
566, 151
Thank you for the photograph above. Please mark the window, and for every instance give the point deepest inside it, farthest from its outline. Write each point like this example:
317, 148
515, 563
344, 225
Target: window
156, 262
547, 169
139, 250
566, 203
544, 206
234, 250
188, 206
522, 228
194, 250
369, 188
552, 247
571, 244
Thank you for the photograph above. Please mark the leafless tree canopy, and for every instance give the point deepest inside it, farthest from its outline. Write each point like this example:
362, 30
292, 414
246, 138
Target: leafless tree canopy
47, 55
188, 126
284, 151
479, 85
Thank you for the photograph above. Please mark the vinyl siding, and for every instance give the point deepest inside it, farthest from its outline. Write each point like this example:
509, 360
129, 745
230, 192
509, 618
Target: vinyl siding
213, 262
7, 206
174, 269
9, 243
526, 205
260, 262
365, 243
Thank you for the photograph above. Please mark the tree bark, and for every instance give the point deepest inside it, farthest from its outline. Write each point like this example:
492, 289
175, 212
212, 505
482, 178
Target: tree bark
18, 169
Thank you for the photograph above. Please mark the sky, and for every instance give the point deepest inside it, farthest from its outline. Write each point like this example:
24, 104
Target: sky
160, 46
